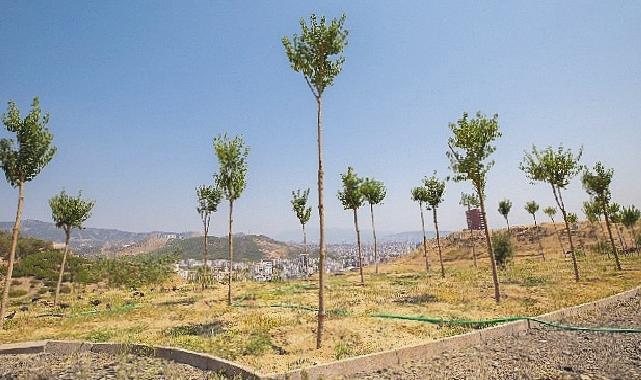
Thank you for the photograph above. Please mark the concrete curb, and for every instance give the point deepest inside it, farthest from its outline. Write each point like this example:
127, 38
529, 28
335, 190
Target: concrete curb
359, 364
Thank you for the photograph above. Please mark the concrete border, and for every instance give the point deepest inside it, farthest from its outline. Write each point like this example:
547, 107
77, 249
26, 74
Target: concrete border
358, 364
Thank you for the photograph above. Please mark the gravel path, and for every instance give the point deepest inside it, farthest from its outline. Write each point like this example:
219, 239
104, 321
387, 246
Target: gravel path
542, 353
95, 366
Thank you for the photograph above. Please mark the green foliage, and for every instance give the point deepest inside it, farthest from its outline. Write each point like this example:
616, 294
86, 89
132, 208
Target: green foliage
470, 148
503, 248
555, 167
258, 344
614, 212
573, 218
373, 191
420, 194
209, 198
351, 197
17, 293
25, 245
232, 159
531, 207
342, 350
469, 200
630, 216
435, 189
592, 210
299, 205
550, 212
44, 266
597, 183
246, 247
34, 149
70, 212
317, 51
504, 207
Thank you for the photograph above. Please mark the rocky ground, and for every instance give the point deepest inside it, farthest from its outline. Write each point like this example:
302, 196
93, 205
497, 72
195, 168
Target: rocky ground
95, 366
542, 353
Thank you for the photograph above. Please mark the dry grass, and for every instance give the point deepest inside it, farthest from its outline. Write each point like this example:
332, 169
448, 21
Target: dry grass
279, 338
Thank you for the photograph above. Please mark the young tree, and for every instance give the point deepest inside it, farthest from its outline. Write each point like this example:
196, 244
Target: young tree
470, 148
597, 185
231, 179
556, 168
592, 212
21, 164
550, 212
504, 209
303, 213
616, 218
435, 191
532, 208
209, 198
469, 201
374, 193
317, 54
629, 217
419, 194
68, 212
352, 199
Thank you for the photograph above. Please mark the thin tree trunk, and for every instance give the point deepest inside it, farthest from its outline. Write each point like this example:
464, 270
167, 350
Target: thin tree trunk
438, 240
230, 247
538, 237
358, 243
559, 201
624, 244
205, 253
62, 266
614, 247
634, 239
558, 236
508, 224
490, 251
321, 221
371, 211
472, 243
305, 250
427, 261
12, 253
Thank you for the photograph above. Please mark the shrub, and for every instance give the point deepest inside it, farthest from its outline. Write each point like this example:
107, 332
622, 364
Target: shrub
341, 350
503, 248
258, 344
15, 293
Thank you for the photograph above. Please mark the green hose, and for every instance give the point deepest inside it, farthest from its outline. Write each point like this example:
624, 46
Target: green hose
490, 322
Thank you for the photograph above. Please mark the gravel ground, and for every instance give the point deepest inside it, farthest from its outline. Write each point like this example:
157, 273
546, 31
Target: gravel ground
542, 353
95, 366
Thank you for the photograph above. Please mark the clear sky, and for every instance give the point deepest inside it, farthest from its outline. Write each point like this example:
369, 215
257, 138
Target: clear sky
137, 90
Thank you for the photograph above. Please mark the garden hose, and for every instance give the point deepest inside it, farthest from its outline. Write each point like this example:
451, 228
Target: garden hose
490, 322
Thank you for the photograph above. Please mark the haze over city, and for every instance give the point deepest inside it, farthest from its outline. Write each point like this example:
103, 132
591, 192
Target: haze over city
137, 96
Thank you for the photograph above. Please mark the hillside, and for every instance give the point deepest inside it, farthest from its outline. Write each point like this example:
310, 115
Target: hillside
246, 248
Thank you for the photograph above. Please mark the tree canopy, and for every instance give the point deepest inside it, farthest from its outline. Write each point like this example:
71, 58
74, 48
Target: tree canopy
70, 212
554, 166
435, 190
504, 207
373, 191
597, 183
532, 207
469, 200
420, 194
209, 197
299, 205
232, 158
630, 216
351, 196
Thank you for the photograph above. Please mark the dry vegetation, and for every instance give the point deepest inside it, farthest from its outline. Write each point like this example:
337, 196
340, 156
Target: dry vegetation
263, 330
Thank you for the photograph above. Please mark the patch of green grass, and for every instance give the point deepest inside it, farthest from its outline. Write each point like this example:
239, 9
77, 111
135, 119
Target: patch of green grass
16, 293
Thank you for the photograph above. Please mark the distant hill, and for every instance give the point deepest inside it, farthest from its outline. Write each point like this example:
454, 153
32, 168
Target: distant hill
88, 239
347, 235
246, 248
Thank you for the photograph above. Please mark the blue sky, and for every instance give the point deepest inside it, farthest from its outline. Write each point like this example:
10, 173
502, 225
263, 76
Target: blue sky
136, 93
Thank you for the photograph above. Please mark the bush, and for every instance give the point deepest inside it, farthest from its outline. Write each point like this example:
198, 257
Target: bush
503, 248
17, 293
258, 344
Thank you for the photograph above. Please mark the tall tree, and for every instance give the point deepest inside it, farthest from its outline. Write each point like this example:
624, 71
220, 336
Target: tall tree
317, 53
231, 179
470, 148
504, 209
629, 217
551, 212
374, 193
597, 184
302, 211
352, 199
555, 167
68, 212
469, 201
21, 164
209, 197
532, 208
435, 192
419, 194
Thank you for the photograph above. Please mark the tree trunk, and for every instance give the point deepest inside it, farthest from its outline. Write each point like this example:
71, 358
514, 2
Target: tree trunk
438, 240
305, 251
12, 253
558, 236
507, 221
538, 237
62, 266
427, 261
321, 222
472, 243
559, 201
371, 211
230, 247
358, 243
624, 244
205, 252
614, 247
490, 250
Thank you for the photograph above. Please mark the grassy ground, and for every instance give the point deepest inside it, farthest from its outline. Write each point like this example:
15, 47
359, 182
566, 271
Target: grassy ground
263, 332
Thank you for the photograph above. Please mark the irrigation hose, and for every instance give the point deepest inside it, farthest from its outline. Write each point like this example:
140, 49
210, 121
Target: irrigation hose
490, 322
